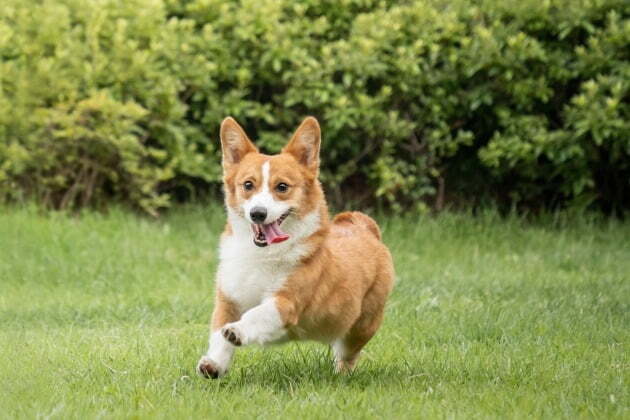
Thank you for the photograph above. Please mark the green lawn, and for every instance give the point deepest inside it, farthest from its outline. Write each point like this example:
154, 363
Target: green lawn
106, 316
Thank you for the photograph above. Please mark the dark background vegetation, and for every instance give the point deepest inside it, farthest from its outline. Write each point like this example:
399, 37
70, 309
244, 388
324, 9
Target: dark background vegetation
423, 103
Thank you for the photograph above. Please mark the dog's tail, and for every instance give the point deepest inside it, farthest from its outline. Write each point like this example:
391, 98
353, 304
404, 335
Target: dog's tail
359, 219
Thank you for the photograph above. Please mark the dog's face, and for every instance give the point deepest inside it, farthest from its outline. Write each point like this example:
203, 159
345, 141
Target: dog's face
271, 192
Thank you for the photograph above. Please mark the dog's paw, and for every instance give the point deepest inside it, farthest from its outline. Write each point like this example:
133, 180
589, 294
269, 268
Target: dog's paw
233, 334
208, 368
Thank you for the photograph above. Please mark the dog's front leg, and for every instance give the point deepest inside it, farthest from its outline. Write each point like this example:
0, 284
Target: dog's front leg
265, 323
216, 361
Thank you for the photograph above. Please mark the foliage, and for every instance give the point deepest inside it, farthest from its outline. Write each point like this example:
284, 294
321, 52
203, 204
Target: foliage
92, 103
521, 101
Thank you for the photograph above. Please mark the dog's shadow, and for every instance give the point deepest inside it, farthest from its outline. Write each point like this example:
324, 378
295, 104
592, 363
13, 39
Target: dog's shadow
286, 372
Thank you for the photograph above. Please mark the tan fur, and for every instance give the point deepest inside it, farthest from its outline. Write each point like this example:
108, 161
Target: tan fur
224, 311
339, 289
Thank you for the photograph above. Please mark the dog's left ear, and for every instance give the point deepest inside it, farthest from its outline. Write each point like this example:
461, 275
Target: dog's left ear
304, 145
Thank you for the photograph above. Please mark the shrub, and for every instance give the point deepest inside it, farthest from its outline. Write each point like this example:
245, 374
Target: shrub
421, 101
93, 103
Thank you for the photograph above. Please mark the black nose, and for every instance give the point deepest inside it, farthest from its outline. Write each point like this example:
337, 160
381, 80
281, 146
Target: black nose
258, 214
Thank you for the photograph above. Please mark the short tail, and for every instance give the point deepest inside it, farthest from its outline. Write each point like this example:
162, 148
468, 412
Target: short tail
359, 219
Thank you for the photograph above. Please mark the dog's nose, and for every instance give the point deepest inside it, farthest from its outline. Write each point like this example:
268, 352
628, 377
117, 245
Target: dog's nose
258, 214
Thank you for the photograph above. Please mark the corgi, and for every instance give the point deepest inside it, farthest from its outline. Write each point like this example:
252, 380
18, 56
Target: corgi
286, 271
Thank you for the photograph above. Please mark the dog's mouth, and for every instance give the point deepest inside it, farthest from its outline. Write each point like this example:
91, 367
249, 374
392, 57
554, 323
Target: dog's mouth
270, 233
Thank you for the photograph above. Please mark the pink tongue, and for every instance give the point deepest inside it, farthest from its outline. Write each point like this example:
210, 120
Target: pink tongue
274, 234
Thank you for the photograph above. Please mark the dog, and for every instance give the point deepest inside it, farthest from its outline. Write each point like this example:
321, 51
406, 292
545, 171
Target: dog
286, 271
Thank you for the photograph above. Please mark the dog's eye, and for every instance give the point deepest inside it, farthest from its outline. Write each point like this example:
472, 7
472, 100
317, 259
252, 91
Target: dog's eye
282, 187
248, 185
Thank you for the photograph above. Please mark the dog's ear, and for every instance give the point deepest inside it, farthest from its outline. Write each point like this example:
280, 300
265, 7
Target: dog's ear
234, 143
304, 145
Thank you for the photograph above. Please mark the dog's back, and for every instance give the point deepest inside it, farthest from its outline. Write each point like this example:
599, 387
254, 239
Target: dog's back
349, 220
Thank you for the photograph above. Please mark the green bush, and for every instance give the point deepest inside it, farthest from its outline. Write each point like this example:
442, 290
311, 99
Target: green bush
421, 101
93, 103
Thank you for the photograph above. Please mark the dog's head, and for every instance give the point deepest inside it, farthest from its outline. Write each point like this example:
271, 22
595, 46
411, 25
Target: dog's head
271, 194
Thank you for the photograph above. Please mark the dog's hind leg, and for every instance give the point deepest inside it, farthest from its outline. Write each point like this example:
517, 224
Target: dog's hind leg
216, 361
348, 348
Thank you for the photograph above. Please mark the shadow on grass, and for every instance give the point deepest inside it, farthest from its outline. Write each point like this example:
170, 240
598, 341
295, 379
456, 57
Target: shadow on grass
300, 368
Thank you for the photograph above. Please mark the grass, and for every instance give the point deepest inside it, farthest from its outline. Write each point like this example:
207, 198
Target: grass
106, 316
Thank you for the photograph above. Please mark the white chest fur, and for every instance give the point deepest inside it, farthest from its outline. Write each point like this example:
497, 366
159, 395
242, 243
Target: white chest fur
248, 274
247, 282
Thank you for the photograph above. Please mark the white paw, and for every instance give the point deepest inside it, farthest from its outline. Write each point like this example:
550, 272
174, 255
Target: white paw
233, 334
208, 368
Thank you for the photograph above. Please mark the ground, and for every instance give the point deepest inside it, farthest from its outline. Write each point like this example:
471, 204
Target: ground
105, 315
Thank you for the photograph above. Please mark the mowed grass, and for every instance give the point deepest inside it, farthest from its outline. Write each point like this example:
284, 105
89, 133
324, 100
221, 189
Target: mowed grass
105, 315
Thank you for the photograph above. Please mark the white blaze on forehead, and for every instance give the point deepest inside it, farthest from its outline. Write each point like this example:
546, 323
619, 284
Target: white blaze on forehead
265, 199
265, 173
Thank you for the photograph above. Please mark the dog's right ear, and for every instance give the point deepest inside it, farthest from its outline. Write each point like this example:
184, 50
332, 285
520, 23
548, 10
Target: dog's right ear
234, 143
